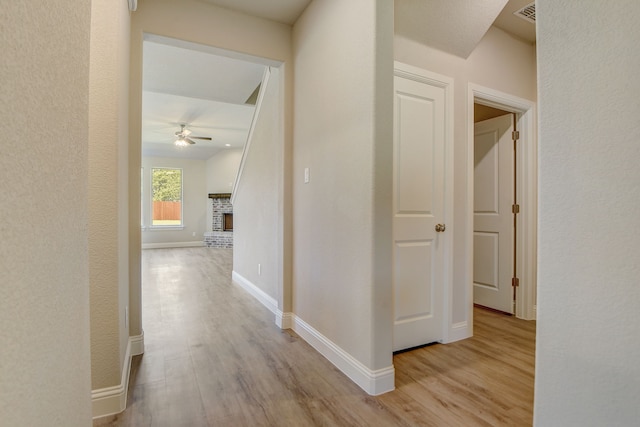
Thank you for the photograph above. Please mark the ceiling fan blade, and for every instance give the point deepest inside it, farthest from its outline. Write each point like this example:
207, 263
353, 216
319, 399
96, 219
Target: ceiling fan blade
205, 138
189, 140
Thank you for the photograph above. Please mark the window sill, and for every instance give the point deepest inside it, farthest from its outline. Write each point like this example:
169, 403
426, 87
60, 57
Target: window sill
165, 227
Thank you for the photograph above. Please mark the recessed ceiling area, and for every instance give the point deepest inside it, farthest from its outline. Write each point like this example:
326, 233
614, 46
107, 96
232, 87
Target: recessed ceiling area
206, 91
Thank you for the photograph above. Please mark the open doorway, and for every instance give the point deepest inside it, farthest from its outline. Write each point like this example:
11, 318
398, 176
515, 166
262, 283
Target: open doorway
197, 110
494, 209
238, 98
503, 279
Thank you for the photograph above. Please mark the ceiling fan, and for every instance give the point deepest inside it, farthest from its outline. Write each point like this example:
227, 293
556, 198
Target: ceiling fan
184, 138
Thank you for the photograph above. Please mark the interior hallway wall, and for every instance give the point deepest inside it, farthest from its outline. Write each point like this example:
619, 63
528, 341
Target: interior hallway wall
44, 295
108, 191
587, 371
343, 133
257, 201
500, 62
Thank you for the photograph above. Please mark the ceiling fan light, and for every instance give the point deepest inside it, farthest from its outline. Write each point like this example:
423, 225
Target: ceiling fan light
181, 142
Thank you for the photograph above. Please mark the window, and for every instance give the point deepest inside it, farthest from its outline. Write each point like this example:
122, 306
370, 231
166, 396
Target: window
166, 188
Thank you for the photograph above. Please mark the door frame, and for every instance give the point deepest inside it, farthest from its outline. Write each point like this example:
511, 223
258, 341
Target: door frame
527, 190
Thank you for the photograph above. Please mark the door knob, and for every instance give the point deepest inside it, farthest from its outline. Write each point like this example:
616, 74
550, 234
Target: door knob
440, 228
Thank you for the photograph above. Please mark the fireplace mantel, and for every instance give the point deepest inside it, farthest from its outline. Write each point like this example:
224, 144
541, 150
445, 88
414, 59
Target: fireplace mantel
219, 195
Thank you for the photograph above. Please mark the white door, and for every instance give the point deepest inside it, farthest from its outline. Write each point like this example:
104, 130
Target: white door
493, 230
418, 206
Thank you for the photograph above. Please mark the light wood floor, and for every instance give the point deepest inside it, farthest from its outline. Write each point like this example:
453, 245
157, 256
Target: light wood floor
214, 357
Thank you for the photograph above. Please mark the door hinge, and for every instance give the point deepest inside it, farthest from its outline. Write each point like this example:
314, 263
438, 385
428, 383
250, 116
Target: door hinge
515, 135
515, 282
515, 208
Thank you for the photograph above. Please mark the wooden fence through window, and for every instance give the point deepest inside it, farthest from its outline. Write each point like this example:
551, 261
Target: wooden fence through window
167, 210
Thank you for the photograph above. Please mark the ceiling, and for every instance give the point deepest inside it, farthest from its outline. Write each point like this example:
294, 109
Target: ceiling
206, 89
457, 26
514, 25
185, 84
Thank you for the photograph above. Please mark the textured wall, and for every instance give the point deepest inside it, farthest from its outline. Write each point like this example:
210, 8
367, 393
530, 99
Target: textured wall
500, 62
588, 346
108, 183
342, 133
44, 285
256, 204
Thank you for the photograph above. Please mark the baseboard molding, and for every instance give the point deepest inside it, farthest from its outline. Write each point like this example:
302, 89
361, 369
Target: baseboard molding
373, 382
137, 344
113, 400
284, 320
256, 292
459, 331
167, 245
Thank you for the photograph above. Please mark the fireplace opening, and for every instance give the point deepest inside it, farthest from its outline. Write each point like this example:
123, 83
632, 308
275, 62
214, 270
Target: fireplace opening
227, 222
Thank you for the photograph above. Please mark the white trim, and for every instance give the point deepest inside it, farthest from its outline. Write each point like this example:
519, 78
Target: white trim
446, 83
257, 293
113, 400
373, 382
165, 245
284, 320
164, 227
254, 121
527, 194
137, 344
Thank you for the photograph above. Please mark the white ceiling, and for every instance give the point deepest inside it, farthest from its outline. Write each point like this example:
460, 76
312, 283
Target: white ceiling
207, 92
510, 23
454, 26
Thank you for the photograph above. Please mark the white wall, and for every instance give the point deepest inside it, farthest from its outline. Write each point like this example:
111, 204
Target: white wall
500, 62
342, 133
257, 201
222, 169
108, 182
194, 201
44, 291
588, 346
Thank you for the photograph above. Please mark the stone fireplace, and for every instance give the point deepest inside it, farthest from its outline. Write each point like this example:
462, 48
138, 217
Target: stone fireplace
221, 235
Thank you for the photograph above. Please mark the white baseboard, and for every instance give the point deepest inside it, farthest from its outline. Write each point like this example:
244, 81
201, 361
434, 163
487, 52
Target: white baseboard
137, 344
284, 320
257, 293
172, 245
458, 331
113, 400
373, 382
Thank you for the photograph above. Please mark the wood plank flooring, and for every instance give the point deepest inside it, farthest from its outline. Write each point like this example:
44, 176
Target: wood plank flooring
214, 357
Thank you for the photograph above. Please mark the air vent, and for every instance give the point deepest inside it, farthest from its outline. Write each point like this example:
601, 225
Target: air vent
528, 13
